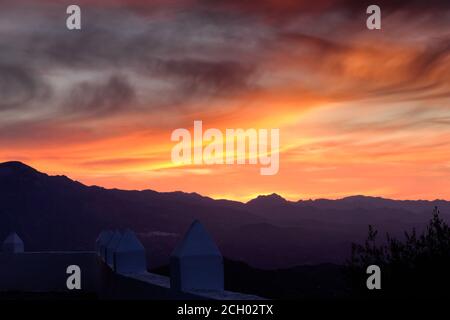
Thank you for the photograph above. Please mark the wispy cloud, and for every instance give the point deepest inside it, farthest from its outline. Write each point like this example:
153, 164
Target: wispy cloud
100, 104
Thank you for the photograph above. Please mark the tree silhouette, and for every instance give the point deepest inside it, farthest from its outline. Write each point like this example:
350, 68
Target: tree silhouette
418, 267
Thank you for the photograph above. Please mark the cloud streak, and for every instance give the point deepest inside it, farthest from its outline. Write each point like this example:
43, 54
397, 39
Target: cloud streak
108, 97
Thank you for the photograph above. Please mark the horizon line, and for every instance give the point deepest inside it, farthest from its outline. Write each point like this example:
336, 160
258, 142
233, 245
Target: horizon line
227, 198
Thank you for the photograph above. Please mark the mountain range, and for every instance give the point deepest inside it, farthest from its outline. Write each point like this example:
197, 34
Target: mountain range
57, 213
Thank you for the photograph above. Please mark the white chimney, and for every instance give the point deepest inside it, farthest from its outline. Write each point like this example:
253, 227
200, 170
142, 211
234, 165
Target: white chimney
13, 244
196, 263
111, 247
129, 255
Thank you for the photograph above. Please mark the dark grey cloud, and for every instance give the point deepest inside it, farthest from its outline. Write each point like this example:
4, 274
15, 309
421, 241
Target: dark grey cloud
200, 56
198, 76
99, 99
20, 86
282, 10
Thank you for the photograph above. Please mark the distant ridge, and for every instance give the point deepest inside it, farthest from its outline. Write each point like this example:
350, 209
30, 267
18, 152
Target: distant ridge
57, 213
17, 167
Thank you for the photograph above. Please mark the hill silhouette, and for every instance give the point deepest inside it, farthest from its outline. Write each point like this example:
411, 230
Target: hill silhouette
57, 213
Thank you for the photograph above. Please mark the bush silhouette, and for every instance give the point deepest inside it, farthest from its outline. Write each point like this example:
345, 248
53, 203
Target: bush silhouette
418, 267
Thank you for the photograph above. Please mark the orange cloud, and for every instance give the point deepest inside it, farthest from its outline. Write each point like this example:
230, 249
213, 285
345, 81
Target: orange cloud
358, 112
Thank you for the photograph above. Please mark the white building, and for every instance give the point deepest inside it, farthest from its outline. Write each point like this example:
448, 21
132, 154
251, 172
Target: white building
197, 264
13, 244
129, 256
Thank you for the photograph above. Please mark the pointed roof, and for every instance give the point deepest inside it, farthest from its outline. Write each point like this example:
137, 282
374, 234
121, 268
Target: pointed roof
196, 242
13, 244
100, 236
129, 242
103, 237
13, 239
114, 240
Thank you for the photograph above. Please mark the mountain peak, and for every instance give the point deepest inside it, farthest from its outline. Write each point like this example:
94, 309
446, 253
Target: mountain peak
271, 199
13, 164
361, 198
16, 167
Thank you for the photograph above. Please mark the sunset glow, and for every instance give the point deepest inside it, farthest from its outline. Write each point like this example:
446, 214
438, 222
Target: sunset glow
359, 111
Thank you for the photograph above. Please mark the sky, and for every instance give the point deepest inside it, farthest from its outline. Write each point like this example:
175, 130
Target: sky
360, 112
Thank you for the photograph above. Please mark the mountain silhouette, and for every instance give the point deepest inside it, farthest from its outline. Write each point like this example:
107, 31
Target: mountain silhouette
267, 200
16, 168
57, 213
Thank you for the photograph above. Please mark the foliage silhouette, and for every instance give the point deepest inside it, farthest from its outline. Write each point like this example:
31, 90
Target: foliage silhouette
417, 267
